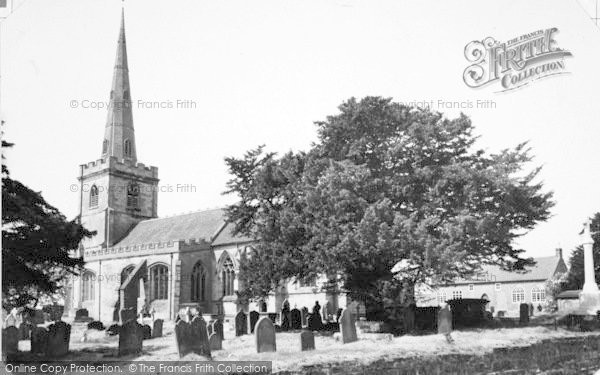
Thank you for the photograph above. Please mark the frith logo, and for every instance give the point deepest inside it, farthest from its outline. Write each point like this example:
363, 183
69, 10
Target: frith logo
515, 63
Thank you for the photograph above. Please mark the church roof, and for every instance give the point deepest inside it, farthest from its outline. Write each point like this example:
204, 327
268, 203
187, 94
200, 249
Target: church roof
544, 269
209, 225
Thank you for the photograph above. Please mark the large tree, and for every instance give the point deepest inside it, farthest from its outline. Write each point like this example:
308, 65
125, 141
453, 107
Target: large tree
576, 276
37, 244
388, 197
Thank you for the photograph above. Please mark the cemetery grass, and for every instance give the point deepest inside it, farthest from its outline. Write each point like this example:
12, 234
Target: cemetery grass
369, 347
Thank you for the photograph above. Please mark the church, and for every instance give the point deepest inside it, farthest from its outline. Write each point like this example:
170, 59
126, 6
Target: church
164, 264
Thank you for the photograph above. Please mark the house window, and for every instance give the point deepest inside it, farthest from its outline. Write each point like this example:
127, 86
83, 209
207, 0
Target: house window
227, 276
105, 146
198, 282
158, 282
497, 286
441, 297
456, 294
94, 196
538, 294
518, 295
87, 285
127, 148
133, 192
471, 287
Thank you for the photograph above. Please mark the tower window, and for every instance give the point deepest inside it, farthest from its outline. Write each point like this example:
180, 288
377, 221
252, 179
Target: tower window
227, 276
127, 148
198, 283
87, 286
94, 196
105, 146
159, 282
133, 192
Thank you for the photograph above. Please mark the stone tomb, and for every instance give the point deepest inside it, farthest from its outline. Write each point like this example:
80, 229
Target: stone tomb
157, 328
241, 324
295, 319
444, 320
59, 336
131, 336
10, 340
39, 340
307, 341
347, 327
215, 342
264, 333
192, 337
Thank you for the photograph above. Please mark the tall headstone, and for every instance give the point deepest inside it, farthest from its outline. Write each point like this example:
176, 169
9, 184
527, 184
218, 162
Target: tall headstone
241, 324
264, 333
296, 319
348, 327
59, 336
589, 298
39, 340
217, 327
192, 337
157, 328
215, 342
523, 313
304, 313
285, 315
25, 331
253, 319
444, 320
131, 336
10, 340
307, 341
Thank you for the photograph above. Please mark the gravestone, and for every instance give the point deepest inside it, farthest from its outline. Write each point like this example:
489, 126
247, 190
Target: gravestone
209, 329
241, 324
131, 336
285, 315
217, 327
81, 313
55, 312
39, 340
10, 340
347, 327
307, 341
126, 315
264, 333
253, 319
314, 322
523, 313
444, 320
304, 313
215, 342
296, 319
192, 337
25, 331
146, 332
59, 335
157, 327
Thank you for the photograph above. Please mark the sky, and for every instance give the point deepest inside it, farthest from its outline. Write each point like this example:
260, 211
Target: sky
213, 79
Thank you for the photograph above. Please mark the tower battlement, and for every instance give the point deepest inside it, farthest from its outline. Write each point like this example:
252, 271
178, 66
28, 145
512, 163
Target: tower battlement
113, 164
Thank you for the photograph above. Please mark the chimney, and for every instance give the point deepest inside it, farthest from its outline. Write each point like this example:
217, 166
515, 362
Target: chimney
559, 252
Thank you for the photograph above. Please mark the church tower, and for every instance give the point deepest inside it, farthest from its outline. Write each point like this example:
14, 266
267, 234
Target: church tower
117, 192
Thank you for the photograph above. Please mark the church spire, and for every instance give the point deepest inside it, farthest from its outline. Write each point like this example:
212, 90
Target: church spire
119, 137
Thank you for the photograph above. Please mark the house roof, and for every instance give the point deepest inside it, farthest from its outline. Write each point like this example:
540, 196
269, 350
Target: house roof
226, 236
544, 269
208, 225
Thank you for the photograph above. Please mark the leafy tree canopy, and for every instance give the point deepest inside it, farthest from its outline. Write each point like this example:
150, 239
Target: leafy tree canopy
389, 196
37, 244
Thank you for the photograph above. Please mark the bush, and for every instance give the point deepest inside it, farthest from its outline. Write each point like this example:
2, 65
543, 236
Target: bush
96, 325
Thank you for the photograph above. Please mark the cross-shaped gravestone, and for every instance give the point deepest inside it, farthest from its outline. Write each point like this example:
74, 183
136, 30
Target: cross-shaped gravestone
347, 327
264, 333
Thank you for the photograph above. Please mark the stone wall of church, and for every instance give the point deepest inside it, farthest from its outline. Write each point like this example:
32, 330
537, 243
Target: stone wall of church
191, 257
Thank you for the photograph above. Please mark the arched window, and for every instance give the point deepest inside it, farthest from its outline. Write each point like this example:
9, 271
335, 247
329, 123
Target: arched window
227, 276
518, 295
94, 196
133, 192
158, 282
198, 283
538, 294
127, 148
456, 294
105, 146
87, 285
125, 273
441, 297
